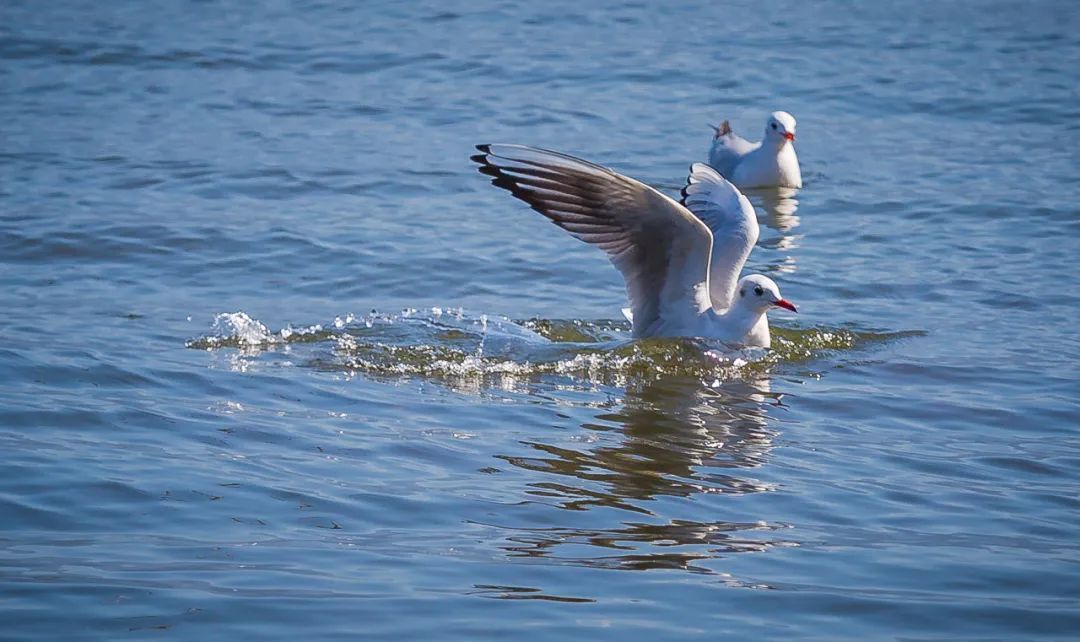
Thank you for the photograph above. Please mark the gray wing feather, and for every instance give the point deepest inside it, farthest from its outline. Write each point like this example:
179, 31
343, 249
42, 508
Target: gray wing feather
727, 148
733, 222
659, 247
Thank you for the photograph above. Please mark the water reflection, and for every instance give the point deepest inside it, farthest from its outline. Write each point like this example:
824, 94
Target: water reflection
671, 428
679, 438
777, 207
780, 206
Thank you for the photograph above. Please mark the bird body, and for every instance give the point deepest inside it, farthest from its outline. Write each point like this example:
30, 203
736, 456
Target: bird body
680, 260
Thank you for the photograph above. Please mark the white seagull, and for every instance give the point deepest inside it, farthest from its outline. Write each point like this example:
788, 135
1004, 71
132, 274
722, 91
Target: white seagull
769, 163
680, 261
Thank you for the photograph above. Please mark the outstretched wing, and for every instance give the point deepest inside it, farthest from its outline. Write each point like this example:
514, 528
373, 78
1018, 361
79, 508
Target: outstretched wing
731, 218
661, 249
727, 148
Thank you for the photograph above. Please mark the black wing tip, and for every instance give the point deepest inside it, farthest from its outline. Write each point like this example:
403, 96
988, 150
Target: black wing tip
682, 192
482, 158
498, 177
507, 183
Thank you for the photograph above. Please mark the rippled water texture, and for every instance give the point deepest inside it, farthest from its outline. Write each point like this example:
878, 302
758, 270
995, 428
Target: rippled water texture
278, 363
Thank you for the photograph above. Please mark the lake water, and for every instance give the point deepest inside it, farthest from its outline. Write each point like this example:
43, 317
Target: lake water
278, 363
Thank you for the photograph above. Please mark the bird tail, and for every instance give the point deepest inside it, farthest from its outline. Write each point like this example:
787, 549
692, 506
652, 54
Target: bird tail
723, 129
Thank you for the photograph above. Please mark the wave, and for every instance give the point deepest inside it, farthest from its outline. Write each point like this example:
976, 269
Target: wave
450, 344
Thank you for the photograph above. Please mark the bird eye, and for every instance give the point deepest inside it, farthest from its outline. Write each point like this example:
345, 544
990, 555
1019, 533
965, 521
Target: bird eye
758, 290
773, 125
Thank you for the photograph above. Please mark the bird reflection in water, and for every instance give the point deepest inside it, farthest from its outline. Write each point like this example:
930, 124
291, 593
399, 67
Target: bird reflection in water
679, 438
780, 206
776, 208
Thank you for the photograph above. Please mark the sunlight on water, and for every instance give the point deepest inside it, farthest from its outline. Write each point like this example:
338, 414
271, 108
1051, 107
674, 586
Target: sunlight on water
453, 345
172, 473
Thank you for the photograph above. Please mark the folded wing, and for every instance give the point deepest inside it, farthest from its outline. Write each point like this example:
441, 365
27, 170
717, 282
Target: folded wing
727, 149
661, 249
731, 218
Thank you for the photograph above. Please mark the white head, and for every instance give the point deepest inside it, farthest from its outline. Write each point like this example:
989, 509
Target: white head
780, 127
760, 293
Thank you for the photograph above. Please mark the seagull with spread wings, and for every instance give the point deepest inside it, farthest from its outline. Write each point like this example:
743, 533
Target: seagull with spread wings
680, 260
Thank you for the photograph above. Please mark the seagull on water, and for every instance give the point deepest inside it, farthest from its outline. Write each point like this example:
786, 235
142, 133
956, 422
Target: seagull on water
769, 163
680, 260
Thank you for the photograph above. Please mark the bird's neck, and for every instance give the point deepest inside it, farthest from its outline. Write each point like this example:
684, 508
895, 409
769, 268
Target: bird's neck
740, 320
776, 143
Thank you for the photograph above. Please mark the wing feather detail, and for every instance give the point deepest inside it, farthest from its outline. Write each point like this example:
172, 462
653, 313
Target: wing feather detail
661, 249
733, 223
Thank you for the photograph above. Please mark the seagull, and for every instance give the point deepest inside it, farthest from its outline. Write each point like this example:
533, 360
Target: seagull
770, 163
680, 260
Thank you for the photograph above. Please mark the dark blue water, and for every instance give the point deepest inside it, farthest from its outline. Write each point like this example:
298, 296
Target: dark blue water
277, 363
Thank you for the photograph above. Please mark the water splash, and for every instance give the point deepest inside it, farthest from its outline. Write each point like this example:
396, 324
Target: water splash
238, 330
498, 351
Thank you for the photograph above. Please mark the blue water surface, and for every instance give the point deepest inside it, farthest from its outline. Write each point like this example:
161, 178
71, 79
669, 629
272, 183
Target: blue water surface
277, 363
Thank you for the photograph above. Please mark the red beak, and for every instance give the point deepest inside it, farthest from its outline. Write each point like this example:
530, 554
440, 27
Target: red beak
789, 136
787, 305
